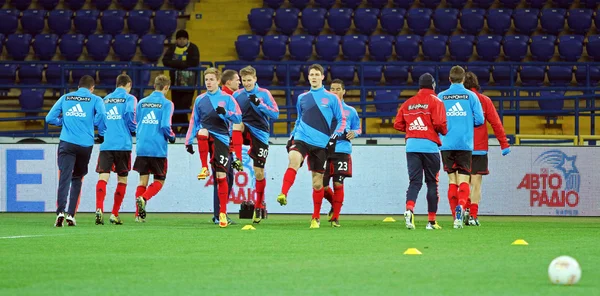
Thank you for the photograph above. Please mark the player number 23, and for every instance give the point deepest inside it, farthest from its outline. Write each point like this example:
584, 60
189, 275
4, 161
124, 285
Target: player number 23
342, 166
224, 160
263, 152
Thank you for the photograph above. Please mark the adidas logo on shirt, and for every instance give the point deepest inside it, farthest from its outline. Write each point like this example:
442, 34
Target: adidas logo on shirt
113, 114
76, 111
150, 118
456, 110
417, 125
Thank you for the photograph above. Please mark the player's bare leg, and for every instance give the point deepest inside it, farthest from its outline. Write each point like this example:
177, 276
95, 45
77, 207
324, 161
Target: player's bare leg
295, 159
259, 208
202, 138
338, 201
475, 199
236, 142
317, 184
223, 192
100, 195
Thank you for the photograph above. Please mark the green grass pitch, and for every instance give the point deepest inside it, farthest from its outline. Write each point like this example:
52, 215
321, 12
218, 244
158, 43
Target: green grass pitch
184, 254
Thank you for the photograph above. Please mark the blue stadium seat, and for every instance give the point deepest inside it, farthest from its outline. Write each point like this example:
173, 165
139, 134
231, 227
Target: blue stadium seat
552, 100
560, 75
102, 5
301, 47
354, 47
274, 4
597, 20
488, 47
113, 21
515, 47
366, 20
485, 4
434, 47
581, 75
407, 47
593, 47
264, 74
392, 20
431, 4
343, 72
313, 20
21, 4
591, 4
125, 46
31, 73
98, 46
152, 46
165, 22
379, 4
461, 47
580, 21
471, 20
294, 71
542, 47
352, 4
274, 47
32, 99
386, 96
328, 47
502, 74
512, 4
154, 4
419, 20
109, 77
498, 20
396, 75
445, 20
526, 20
10, 21
247, 47
181, 4
17, 46
553, 20
260, 20
1, 42
381, 47
48, 4
458, 4
53, 73
339, 20
563, 3
75, 4
443, 76
45, 46
33, 21
417, 71
76, 74
482, 73
299, 4
8, 73
570, 47
327, 4
86, 21
71, 46
127, 4
406, 4
286, 20
532, 75
539, 4
59, 21
138, 22
372, 75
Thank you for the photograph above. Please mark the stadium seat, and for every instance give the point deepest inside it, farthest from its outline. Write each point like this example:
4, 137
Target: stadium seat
33, 21
102, 5
125, 46
31, 73
445, 20
553, 20
8, 73
471, 20
443, 78
431, 4
526, 20
264, 73
127, 4
313, 20
406, 4
327, 47
98, 46
165, 22
1, 42
593, 47
579, 21
379, 4
352, 4
53, 72
21, 4
387, 97
515, 47
563, 3
48, 4
502, 75
407, 47
581, 75
419, 20
274, 4
482, 73
86, 21
339, 20
327, 4
343, 72
396, 75
294, 71
45, 46
392, 20
366, 20
301, 47
274, 47
532, 75
10, 21
113, 21
458, 4
59, 21
154, 4
381, 47
182, 4
108, 77
17, 46
152, 46
552, 100
488, 47
32, 99
138, 22
417, 71
512, 4
485, 4
299, 4
76, 74
591, 4
498, 20
260, 20
372, 75
286, 20
560, 75
461, 47
71, 46
247, 47
570, 47
434, 47
354, 47
542, 47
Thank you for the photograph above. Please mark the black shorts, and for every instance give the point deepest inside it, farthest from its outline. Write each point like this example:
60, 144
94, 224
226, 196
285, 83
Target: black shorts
479, 165
317, 157
457, 161
339, 167
258, 150
219, 155
114, 161
156, 166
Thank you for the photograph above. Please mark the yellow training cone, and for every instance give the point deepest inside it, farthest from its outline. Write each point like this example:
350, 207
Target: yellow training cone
389, 219
520, 242
412, 251
248, 227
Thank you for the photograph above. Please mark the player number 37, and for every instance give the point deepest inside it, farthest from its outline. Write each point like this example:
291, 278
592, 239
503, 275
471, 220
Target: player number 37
223, 160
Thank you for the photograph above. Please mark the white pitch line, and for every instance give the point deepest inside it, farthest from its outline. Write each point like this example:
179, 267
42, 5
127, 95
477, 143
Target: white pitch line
61, 234
28, 236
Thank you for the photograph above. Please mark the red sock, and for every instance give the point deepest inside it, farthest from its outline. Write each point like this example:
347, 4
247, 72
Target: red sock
100, 194
317, 201
288, 180
203, 150
410, 205
468, 205
119, 196
431, 216
152, 190
222, 191
453, 198
474, 210
328, 194
463, 194
138, 192
338, 201
237, 141
260, 192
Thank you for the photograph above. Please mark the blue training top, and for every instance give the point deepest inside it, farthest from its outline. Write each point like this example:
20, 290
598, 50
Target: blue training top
463, 112
257, 118
120, 121
153, 116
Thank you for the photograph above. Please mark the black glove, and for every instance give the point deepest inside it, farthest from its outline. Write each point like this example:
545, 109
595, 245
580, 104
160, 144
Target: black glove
172, 140
220, 110
99, 139
254, 99
190, 149
133, 134
289, 144
331, 144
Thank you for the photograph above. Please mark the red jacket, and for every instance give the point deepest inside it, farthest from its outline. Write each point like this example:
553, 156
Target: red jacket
480, 137
426, 117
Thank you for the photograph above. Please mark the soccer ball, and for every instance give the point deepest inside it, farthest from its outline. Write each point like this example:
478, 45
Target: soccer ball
564, 270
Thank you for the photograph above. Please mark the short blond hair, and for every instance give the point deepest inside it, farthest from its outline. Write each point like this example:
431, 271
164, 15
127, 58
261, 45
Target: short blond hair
213, 71
161, 81
248, 70
457, 74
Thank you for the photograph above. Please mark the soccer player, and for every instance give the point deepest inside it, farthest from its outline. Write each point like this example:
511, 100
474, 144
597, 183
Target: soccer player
115, 151
422, 118
77, 112
258, 108
311, 136
154, 114
339, 164
212, 113
463, 111
479, 164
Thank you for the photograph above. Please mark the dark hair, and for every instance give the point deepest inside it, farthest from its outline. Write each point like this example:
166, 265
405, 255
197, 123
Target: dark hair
471, 81
340, 82
123, 80
87, 81
317, 67
227, 75
457, 74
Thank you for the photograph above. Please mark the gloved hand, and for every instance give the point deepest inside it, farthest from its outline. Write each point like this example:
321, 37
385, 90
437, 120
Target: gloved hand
220, 110
172, 140
289, 144
133, 134
99, 139
190, 149
505, 151
331, 144
254, 99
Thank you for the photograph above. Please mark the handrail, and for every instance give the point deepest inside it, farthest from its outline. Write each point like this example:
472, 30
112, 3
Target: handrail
519, 137
583, 138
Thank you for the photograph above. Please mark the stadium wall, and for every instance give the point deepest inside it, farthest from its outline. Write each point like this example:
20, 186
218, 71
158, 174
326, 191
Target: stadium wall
547, 181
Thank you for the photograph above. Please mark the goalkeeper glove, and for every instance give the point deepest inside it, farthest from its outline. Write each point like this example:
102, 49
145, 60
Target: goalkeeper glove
220, 110
190, 149
254, 99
